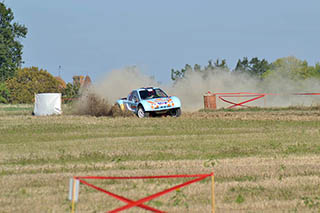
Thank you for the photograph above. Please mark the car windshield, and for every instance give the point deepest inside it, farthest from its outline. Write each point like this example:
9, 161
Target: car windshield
152, 93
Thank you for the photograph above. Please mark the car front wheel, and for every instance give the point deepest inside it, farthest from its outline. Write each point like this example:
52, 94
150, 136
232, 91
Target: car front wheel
141, 113
175, 112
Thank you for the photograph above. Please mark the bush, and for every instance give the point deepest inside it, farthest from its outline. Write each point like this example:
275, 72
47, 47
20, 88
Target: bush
30, 81
70, 93
4, 93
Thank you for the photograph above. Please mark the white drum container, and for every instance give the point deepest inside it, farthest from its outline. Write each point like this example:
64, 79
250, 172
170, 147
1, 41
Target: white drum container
47, 104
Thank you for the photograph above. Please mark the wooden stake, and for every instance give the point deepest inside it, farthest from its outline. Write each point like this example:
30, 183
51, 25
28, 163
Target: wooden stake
73, 195
212, 193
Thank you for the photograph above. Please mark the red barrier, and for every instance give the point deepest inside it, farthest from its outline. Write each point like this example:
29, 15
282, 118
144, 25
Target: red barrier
139, 203
223, 96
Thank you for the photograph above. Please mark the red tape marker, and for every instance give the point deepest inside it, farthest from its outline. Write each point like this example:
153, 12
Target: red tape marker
118, 196
140, 177
222, 96
241, 103
157, 195
139, 203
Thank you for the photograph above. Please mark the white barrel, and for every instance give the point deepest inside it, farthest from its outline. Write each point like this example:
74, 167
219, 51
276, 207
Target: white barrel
47, 104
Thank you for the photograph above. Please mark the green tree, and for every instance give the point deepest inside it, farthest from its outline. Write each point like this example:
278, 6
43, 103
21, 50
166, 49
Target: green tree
292, 68
29, 81
70, 92
4, 93
316, 70
254, 67
212, 68
197, 68
179, 74
210, 65
242, 65
220, 65
10, 46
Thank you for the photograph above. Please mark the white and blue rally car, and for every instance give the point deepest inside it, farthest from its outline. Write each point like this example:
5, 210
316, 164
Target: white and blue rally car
151, 101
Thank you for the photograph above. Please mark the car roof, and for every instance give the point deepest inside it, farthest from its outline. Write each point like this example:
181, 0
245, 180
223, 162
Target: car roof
145, 88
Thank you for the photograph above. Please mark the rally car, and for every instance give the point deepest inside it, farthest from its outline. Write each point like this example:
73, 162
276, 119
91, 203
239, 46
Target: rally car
150, 101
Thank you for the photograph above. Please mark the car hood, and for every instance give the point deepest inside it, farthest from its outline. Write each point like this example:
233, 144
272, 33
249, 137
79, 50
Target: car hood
160, 101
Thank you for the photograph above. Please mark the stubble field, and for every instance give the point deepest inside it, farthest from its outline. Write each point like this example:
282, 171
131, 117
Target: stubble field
264, 160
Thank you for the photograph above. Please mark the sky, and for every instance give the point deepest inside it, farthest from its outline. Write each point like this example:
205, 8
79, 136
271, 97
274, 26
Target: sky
95, 37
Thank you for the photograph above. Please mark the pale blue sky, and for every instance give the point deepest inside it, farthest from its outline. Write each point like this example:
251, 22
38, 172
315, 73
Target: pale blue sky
94, 37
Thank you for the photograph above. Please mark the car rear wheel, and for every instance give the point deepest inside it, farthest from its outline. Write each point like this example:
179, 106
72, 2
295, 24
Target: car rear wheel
175, 112
141, 113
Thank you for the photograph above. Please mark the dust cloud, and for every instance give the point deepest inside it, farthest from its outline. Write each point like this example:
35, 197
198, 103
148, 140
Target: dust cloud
119, 83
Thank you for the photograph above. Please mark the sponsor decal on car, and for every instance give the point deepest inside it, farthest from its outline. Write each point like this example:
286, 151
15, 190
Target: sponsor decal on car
161, 103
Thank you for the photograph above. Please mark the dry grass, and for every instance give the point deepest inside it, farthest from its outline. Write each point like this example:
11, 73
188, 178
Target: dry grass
264, 161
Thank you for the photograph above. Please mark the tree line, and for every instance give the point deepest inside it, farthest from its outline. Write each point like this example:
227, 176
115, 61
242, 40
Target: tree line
289, 67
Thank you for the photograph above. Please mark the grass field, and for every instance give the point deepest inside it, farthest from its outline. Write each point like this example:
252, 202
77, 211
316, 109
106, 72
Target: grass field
265, 160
